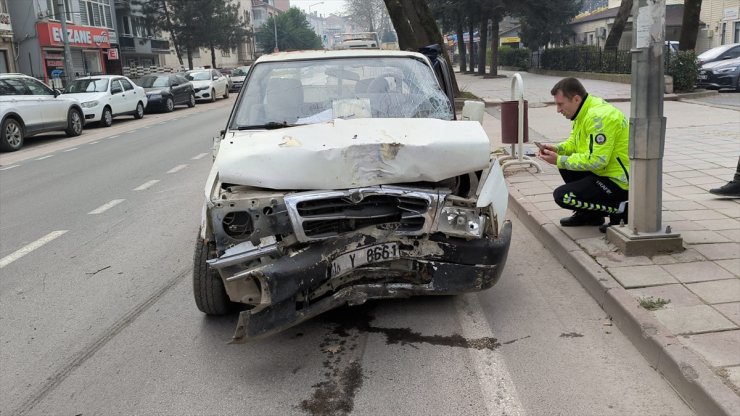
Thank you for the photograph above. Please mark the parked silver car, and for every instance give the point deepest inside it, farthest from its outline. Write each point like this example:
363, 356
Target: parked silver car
29, 107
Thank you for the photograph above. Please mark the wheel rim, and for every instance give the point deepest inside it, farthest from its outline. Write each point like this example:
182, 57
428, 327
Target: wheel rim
13, 134
192, 99
108, 117
139, 110
76, 122
213, 95
170, 104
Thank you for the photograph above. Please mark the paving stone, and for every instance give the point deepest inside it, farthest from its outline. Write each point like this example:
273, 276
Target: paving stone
731, 311
682, 226
719, 251
641, 276
544, 205
674, 216
730, 212
720, 224
676, 293
700, 271
701, 238
686, 256
682, 205
718, 291
719, 349
535, 190
548, 198
579, 233
702, 180
733, 235
733, 374
731, 265
720, 203
693, 320
702, 214
686, 190
670, 182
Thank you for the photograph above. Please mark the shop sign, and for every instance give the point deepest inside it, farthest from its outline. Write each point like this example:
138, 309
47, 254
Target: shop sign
50, 34
510, 39
5, 22
112, 54
731, 13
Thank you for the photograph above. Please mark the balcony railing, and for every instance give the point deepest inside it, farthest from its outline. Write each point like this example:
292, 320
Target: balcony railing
160, 45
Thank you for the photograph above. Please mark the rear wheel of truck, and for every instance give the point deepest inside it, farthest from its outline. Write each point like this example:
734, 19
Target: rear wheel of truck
208, 288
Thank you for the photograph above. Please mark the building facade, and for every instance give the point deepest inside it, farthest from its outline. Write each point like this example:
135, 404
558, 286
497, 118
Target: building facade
38, 39
7, 52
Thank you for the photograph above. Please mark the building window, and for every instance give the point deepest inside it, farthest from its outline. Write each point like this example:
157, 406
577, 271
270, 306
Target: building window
96, 13
225, 53
51, 9
736, 35
126, 26
722, 32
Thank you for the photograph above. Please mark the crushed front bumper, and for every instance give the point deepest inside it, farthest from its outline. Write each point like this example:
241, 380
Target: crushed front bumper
457, 266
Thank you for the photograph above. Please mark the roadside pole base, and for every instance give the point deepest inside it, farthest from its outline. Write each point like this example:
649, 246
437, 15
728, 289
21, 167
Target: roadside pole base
644, 244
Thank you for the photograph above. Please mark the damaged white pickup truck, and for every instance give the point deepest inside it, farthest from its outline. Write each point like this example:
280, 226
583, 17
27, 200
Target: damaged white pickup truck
343, 176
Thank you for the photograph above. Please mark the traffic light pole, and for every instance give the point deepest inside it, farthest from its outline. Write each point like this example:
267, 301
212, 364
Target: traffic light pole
644, 234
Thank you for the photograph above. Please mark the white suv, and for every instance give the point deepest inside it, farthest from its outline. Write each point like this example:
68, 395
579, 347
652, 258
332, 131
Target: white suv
29, 107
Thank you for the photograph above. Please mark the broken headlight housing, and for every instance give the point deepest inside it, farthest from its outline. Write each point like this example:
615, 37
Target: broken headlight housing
464, 222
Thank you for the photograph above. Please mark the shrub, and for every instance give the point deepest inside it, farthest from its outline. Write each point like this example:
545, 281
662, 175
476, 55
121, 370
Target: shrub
514, 57
684, 69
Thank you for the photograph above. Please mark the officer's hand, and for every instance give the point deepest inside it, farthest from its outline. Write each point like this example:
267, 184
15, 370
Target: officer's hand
548, 156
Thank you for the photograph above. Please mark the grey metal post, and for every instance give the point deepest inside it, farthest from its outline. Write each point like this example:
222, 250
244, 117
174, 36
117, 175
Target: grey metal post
62, 13
643, 233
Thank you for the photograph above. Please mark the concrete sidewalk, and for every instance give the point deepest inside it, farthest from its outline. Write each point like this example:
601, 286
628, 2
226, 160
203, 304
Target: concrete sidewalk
694, 340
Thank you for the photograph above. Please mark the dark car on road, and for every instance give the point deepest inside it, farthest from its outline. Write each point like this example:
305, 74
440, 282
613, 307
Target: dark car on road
720, 74
165, 91
720, 53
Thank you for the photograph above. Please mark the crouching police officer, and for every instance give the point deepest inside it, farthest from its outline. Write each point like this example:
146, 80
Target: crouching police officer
593, 161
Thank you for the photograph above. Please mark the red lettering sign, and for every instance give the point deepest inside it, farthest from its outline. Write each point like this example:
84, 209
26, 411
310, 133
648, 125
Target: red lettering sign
50, 34
112, 54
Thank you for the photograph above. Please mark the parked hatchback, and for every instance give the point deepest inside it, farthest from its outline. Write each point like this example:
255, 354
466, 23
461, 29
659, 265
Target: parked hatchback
106, 96
208, 84
165, 91
720, 74
29, 107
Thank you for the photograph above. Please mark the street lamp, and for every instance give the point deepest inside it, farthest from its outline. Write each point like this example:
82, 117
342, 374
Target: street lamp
274, 25
311, 5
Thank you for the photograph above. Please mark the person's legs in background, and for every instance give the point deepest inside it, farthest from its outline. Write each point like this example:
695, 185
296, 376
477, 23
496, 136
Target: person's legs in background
732, 188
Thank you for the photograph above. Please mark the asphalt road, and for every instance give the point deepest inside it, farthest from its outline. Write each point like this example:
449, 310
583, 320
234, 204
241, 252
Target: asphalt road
97, 315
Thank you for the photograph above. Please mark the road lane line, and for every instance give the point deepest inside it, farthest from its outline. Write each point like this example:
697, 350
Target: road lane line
44, 157
30, 247
200, 156
177, 168
95, 142
69, 150
105, 207
146, 185
494, 379
9, 167
113, 137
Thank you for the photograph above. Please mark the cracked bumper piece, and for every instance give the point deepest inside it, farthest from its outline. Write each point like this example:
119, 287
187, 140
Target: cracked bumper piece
462, 266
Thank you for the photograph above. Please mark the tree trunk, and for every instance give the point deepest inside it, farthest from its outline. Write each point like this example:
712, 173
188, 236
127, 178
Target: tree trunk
471, 42
690, 25
461, 44
483, 44
213, 56
190, 58
404, 30
495, 19
625, 9
175, 43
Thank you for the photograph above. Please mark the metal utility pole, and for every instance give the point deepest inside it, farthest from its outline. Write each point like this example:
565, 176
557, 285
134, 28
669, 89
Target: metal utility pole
62, 13
274, 25
644, 233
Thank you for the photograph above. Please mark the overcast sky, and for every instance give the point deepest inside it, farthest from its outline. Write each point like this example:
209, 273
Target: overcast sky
326, 7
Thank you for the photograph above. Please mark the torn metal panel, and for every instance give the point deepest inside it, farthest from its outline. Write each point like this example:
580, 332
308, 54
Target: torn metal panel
352, 153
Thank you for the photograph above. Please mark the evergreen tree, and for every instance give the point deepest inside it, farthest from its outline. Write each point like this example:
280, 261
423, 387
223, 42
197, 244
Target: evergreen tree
293, 32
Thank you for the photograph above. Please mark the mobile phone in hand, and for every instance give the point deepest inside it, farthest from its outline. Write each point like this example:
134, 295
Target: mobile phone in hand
540, 146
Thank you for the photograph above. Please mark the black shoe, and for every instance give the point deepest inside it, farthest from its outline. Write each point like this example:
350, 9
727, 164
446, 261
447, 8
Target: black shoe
580, 218
730, 189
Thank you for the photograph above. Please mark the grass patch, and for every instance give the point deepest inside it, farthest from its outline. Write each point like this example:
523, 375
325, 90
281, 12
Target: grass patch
653, 304
468, 95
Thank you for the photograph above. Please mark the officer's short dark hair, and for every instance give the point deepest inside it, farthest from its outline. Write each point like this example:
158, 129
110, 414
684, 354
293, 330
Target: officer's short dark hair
570, 87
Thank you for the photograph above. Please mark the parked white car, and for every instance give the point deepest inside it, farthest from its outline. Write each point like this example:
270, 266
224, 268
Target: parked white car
106, 96
29, 107
238, 76
208, 84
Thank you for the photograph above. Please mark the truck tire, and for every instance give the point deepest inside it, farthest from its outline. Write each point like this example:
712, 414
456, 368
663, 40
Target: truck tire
208, 288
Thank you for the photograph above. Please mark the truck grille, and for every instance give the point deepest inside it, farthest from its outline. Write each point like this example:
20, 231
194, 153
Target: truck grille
320, 215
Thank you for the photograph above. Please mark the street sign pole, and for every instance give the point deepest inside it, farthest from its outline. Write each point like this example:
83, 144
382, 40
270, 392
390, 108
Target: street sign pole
644, 233
61, 12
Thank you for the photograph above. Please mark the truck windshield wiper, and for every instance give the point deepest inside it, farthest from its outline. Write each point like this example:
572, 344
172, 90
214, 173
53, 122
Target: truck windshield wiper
269, 126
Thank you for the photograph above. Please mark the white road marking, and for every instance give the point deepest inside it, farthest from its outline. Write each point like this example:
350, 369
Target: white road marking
177, 168
69, 150
113, 137
106, 207
9, 167
44, 157
146, 185
499, 393
30, 247
95, 142
200, 156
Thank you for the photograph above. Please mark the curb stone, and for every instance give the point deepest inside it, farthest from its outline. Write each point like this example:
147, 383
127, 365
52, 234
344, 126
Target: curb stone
687, 373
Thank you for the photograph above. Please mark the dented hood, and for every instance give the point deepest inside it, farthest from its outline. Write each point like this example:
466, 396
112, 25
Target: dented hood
351, 153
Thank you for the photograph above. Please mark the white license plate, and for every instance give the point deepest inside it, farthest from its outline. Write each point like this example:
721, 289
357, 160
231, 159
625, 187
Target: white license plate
366, 255
702, 77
